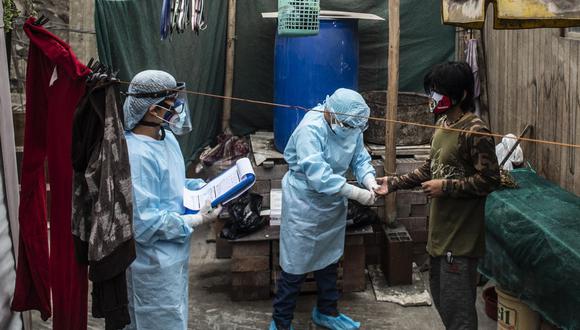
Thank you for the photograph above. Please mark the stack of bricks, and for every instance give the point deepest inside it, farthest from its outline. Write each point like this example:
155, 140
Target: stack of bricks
413, 210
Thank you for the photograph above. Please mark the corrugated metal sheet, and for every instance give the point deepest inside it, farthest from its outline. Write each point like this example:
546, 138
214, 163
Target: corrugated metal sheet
8, 320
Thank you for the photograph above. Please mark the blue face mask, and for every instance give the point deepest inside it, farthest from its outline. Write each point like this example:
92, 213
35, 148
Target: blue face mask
174, 117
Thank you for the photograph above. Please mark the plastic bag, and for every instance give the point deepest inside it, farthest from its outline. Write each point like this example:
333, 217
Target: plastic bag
244, 216
502, 149
359, 216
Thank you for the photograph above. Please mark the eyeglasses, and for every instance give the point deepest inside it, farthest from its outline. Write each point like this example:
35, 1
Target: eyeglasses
177, 106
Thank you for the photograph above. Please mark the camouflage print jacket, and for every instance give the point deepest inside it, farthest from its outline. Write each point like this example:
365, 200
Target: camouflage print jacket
468, 165
472, 171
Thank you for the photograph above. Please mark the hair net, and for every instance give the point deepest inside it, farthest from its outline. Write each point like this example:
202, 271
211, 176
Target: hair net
147, 81
344, 103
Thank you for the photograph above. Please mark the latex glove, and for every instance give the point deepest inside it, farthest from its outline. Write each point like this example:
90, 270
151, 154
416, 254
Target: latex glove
363, 196
194, 184
205, 215
371, 184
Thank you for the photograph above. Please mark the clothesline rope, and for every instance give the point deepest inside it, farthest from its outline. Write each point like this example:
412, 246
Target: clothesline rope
300, 108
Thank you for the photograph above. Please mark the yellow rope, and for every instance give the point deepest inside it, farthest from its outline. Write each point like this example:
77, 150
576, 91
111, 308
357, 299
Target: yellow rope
296, 107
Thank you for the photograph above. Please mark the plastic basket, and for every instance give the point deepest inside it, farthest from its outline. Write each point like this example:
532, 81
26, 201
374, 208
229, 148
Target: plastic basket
298, 17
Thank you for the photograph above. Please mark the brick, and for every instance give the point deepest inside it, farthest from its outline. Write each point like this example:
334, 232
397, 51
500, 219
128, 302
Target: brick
276, 184
414, 223
244, 249
251, 279
354, 240
396, 262
421, 210
223, 248
407, 200
250, 286
406, 165
261, 186
418, 235
251, 264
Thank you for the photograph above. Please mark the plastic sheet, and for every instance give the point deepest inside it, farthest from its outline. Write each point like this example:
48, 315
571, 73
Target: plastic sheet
533, 246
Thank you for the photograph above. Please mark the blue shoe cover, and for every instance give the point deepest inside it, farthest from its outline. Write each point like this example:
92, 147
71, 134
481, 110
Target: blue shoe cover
273, 326
341, 322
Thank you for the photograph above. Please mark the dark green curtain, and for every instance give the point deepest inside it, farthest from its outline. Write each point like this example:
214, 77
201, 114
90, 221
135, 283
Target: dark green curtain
129, 40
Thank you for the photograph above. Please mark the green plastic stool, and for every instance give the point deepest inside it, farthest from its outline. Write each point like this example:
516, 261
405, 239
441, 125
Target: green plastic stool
298, 17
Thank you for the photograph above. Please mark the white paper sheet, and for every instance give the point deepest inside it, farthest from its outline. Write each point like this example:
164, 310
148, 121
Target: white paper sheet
195, 199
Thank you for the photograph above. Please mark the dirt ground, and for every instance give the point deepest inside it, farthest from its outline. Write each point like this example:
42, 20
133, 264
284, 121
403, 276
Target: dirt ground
210, 306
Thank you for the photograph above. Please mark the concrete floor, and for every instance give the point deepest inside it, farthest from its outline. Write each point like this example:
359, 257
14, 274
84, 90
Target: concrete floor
211, 307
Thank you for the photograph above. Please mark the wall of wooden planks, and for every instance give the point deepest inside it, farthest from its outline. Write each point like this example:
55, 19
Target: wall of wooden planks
533, 78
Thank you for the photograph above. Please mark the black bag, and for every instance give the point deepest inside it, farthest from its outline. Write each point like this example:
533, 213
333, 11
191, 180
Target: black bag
244, 216
359, 216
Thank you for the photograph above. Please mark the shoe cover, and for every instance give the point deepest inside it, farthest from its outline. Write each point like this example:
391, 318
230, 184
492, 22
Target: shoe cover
341, 322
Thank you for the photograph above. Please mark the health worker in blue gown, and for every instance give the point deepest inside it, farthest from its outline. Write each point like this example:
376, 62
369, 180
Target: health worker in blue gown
157, 281
327, 143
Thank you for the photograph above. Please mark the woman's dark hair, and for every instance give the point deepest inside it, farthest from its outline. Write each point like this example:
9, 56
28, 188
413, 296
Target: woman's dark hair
452, 79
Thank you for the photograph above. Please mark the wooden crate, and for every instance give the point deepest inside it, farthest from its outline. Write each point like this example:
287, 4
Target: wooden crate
250, 270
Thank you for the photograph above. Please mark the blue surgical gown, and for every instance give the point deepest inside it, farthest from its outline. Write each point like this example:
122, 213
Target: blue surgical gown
312, 229
157, 281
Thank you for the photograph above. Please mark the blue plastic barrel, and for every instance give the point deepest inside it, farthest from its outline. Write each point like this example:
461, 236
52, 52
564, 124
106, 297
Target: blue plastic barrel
306, 69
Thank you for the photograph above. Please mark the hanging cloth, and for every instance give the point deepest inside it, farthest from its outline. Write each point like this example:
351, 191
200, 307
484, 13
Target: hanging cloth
55, 80
471, 59
177, 14
102, 215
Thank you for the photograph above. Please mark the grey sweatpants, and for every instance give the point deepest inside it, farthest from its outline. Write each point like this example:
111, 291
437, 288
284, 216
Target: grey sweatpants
453, 287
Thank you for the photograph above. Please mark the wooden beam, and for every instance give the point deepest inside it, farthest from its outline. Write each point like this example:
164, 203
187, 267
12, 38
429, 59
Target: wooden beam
230, 53
81, 13
392, 102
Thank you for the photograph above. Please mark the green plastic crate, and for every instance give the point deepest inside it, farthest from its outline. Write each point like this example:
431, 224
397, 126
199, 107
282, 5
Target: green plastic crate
298, 17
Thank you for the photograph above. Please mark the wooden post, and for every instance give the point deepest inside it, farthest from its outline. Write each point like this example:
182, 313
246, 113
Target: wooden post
392, 102
230, 52
81, 13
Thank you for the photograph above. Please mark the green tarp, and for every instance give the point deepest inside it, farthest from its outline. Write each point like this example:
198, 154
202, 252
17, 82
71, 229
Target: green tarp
128, 39
533, 246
